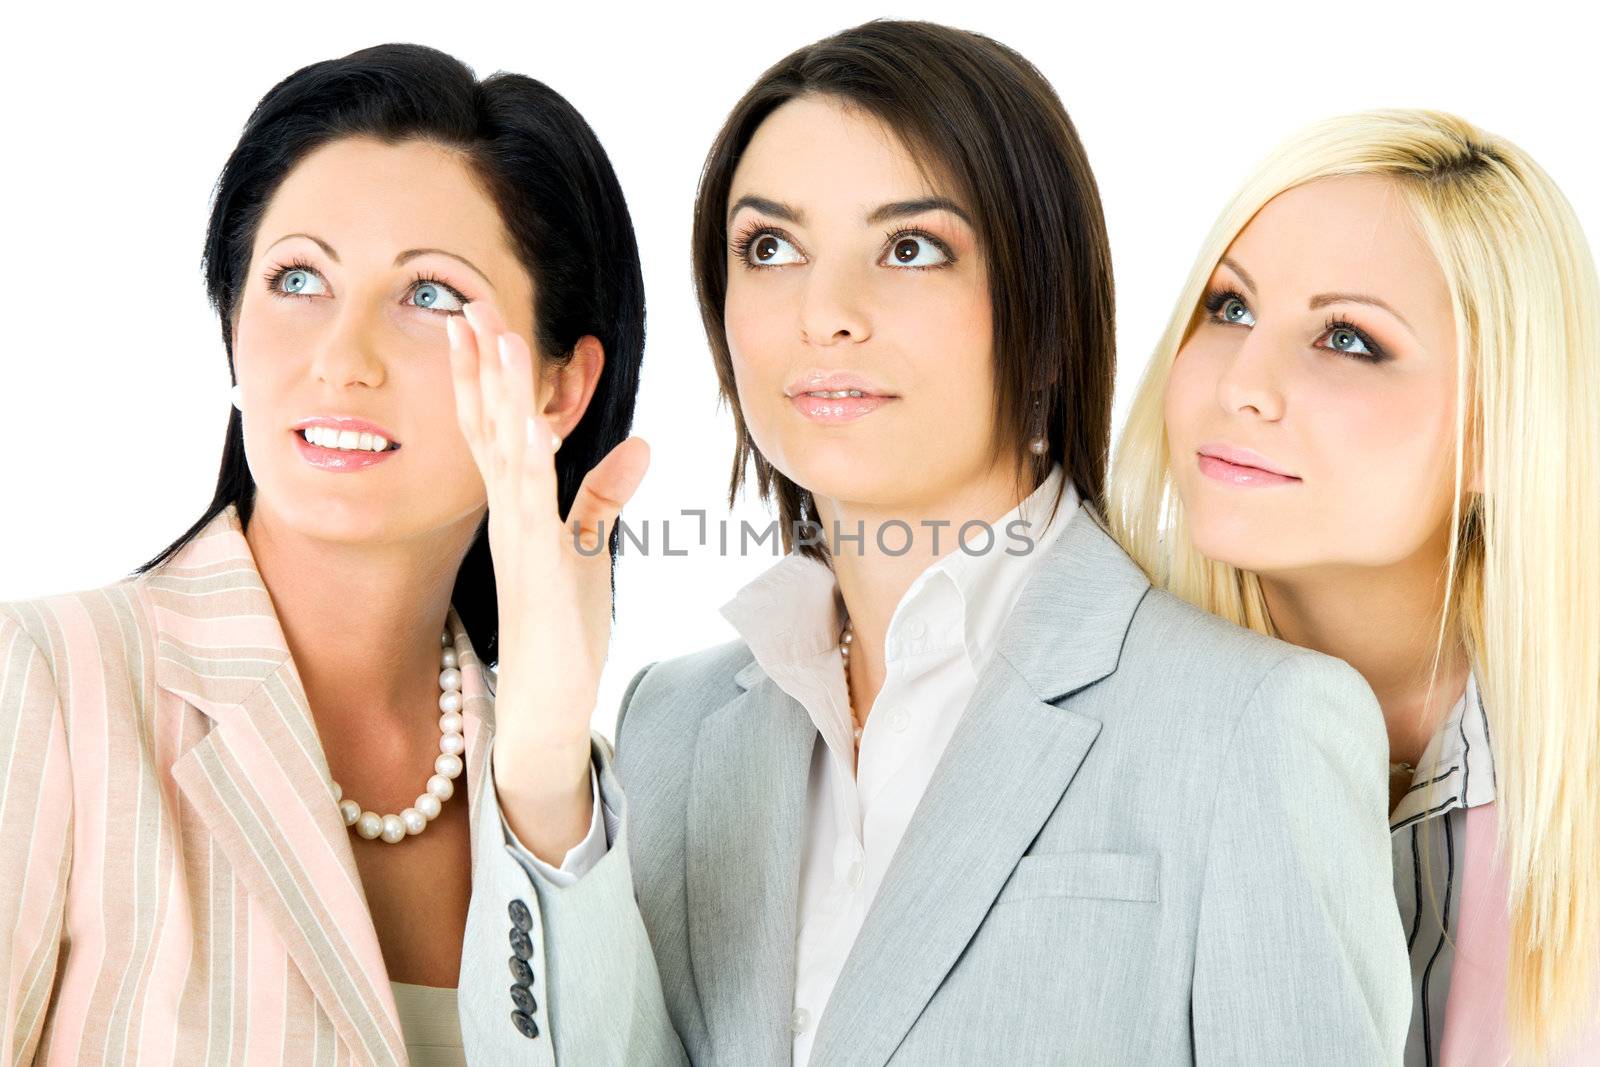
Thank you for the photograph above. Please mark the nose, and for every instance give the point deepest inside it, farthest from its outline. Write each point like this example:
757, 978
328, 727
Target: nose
832, 307
347, 354
1250, 381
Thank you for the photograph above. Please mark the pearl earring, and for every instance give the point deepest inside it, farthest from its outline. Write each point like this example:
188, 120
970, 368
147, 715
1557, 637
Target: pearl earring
237, 395
1040, 442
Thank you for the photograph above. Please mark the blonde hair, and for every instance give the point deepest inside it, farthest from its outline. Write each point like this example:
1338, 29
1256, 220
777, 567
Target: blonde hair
1522, 582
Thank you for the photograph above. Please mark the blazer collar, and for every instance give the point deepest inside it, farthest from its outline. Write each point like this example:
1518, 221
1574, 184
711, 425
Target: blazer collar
1014, 752
259, 780
1084, 585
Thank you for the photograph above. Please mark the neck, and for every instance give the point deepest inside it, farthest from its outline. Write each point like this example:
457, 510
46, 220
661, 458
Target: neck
1383, 621
362, 620
872, 581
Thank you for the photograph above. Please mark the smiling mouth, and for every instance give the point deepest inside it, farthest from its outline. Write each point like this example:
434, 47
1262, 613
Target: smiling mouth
335, 441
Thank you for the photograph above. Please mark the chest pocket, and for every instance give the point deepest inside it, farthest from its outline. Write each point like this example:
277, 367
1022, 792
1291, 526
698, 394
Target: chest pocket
1132, 876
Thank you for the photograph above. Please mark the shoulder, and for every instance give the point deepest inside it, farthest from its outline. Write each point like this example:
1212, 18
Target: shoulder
108, 628
685, 687
1243, 681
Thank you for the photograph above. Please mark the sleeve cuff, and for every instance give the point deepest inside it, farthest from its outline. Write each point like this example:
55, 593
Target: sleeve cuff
582, 856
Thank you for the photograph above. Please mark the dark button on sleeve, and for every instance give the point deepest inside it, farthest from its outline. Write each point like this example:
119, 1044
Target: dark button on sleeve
521, 945
523, 999
521, 971
521, 918
524, 1024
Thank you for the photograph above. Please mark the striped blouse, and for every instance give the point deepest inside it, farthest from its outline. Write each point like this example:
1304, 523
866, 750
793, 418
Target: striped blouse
176, 883
1452, 899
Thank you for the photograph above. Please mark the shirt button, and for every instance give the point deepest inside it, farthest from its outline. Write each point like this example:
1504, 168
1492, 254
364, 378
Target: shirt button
899, 720
800, 1021
852, 876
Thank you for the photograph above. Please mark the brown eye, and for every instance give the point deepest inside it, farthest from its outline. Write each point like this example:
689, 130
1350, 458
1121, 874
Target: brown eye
766, 248
910, 250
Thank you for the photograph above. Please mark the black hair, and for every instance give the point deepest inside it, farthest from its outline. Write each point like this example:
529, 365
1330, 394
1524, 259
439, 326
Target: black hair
557, 196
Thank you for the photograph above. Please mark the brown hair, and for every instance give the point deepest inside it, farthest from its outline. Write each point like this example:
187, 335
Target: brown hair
985, 117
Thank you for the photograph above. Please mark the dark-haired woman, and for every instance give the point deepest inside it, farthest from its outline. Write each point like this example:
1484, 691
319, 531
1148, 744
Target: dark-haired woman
995, 802
236, 803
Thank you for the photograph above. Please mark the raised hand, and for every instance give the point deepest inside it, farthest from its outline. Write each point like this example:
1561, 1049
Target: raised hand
554, 600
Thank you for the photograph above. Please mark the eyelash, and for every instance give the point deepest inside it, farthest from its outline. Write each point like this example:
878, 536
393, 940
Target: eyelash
276, 274
1218, 297
747, 237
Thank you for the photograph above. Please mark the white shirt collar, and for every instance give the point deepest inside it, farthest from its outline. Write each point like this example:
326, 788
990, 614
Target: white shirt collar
791, 614
1457, 768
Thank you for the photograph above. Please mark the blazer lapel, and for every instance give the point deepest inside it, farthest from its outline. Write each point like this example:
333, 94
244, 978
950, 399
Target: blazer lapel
260, 783
745, 820
1010, 759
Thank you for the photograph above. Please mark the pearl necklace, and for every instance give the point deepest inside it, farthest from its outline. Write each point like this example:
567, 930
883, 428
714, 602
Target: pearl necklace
441, 786
844, 654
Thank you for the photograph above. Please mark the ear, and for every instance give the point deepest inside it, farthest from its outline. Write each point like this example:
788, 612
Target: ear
568, 386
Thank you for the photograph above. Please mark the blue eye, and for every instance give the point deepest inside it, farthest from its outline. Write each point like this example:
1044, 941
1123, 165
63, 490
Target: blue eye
297, 279
434, 295
1229, 308
908, 247
1344, 338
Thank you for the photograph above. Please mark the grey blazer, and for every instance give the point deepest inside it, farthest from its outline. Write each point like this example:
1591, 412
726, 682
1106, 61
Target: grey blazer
1155, 838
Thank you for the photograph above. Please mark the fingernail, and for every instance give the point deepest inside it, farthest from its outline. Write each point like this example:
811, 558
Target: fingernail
471, 313
452, 329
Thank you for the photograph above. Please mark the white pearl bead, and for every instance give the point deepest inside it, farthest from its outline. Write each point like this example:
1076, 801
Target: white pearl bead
449, 765
444, 638
350, 811
415, 821
450, 701
393, 829
452, 744
447, 658
450, 722
428, 804
338, 792
441, 787
450, 678
370, 825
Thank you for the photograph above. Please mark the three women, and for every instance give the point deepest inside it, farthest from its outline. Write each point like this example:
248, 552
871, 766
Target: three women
955, 804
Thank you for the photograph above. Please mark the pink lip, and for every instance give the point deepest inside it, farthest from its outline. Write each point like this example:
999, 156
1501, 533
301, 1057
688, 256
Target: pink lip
345, 422
836, 409
335, 460
828, 382
1240, 466
332, 459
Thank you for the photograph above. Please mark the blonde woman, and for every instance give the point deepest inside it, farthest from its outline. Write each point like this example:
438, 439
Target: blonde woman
1372, 428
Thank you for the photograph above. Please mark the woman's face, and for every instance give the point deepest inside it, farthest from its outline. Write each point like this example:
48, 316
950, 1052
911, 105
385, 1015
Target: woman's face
362, 254
847, 270
1311, 413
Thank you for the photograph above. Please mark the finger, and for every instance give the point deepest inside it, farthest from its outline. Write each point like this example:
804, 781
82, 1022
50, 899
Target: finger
484, 323
464, 381
606, 489
523, 434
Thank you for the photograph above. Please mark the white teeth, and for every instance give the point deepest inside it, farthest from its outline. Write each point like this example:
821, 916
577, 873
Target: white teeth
345, 440
837, 393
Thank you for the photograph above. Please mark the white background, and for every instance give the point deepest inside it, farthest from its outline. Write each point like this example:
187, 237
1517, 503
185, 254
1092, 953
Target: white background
113, 400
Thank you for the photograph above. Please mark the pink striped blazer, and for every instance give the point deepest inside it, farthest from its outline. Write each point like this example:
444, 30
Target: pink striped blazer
176, 884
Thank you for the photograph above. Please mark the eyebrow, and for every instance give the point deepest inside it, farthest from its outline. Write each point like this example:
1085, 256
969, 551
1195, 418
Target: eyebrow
399, 260
1322, 300
897, 209
413, 253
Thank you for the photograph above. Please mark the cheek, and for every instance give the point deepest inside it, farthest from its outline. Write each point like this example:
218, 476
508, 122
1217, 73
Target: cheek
1191, 384
1390, 450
